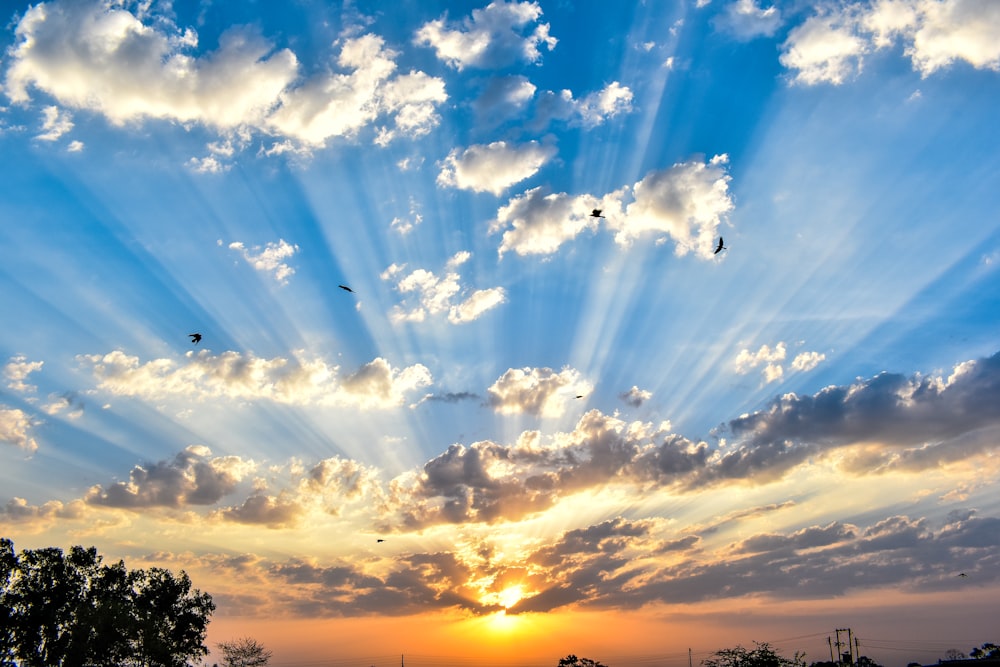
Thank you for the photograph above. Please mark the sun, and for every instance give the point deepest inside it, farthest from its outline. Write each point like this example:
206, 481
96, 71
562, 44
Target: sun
510, 596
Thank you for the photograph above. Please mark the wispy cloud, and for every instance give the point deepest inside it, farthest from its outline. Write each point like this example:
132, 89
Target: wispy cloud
234, 375
55, 123
269, 259
16, 372
15, 429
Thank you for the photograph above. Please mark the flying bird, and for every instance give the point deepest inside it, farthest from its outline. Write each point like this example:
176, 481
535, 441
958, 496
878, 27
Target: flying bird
962, 574
719, 247
579, 395
195, 338
380, 540
596, 213
345, 288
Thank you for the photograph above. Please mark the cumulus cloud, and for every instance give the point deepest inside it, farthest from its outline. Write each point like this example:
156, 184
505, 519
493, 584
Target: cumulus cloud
193, 477
269, 259
262, 509
15, 429
17, 370
339, 105
235, 375
830, 46
770, 361
18, 510
436, 295
590, 111
493, 167
495, 36
746, 20
130, 67
538, 222
766, 357
536, 391
917, 422
635, 396
686, 203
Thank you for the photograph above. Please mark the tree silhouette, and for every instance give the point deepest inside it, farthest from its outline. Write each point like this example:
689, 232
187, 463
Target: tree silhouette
761, 656
69, 609
244, 652
987, 651
573, 661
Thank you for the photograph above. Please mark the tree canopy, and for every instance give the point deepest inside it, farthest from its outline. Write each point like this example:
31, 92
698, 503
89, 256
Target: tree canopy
244, 652
761, 656
71, 610
573, 661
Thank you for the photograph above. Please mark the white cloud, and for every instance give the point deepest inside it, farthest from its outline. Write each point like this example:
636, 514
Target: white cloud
745, 20
592, 110
771, 360
807, 361
830, 46
492, 37
129, 67
55, 123
436, 295
15, 427
234, 375
98, 57
536, 391
17, 370
687, 203
339, 105
208, 165
476, 304
538, 223
75, 146
270, 259
493, 167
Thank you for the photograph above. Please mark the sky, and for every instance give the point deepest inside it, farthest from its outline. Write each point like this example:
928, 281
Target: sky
546, 416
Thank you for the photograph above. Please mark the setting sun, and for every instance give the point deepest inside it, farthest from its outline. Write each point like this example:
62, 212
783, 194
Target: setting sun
510, 596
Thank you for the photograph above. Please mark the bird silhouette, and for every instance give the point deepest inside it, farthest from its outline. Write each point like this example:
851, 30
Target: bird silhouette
719, 247
580, 396
345, 288
380, 540
962, 574
596, 213
195, 338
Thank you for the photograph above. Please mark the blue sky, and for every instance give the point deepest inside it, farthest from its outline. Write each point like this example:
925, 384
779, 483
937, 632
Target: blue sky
513, 385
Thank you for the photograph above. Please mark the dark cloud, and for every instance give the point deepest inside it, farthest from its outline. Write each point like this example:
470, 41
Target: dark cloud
452, 397
888, 408
262, 509
816, 561
190, 478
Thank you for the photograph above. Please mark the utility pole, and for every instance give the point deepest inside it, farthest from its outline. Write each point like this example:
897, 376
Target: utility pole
689, 658
839, 644
830, 642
